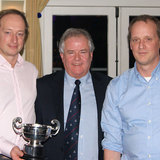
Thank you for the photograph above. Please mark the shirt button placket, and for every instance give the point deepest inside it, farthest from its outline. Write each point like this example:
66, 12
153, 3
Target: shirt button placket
149, 135
149, 156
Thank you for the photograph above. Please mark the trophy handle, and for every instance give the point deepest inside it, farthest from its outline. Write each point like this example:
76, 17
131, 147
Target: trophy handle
55, 127
15, 126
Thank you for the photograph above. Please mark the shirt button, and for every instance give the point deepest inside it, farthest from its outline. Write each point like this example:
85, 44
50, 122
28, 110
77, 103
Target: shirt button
156, 78
149, 103
149, 121
81, 136
149, 137
149, 156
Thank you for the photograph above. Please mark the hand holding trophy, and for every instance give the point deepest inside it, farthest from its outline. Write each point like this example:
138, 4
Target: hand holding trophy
34, 134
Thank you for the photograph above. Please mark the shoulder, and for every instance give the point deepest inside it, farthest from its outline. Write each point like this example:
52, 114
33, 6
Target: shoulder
100, 81
51, 83
56, 77
100, 76
120, 82
29, 65
30, 68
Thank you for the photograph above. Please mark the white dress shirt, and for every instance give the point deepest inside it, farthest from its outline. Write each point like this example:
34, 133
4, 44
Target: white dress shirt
88, 129
17, 97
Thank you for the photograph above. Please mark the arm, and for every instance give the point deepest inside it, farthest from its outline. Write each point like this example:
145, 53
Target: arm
7, 146
16, 153
111, 155
111, 124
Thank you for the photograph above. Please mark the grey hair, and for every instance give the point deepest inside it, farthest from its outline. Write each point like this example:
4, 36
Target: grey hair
75, 32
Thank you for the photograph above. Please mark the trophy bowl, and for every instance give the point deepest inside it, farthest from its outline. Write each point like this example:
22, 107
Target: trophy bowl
35, 134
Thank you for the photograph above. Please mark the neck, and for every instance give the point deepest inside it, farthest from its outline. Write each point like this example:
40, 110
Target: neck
11, 59
146, 70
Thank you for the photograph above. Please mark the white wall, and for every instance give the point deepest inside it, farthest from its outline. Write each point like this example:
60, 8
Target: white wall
108, 3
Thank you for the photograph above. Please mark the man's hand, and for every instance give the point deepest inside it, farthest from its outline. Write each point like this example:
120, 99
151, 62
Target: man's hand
16, 153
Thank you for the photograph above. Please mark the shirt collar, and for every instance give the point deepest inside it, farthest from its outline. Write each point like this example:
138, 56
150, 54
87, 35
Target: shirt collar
71, 80
20, 60
156, 71
4, 62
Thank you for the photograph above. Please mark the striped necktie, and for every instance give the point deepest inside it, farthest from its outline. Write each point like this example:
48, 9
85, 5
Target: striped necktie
72, 125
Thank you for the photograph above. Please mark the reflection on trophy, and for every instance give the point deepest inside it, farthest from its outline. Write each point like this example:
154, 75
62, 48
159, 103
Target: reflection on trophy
34, 134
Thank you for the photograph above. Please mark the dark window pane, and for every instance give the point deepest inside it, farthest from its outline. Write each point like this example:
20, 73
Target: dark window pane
97, 26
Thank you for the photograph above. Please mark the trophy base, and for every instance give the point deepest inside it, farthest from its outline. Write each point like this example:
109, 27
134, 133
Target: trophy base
28, 157
3, 157
33, 152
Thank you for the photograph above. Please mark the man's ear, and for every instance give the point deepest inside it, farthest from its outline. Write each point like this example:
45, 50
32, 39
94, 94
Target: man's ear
91, 55
61, 55
130, 45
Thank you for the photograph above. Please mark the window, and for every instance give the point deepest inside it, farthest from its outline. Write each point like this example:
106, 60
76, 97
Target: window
94, 16
95, 25
126, 58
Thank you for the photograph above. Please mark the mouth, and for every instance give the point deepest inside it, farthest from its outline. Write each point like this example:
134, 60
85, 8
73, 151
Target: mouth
142, 53
13, 47
77, 64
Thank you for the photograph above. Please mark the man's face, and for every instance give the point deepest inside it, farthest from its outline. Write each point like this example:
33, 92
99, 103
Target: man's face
12, 34
76, 57
145, 43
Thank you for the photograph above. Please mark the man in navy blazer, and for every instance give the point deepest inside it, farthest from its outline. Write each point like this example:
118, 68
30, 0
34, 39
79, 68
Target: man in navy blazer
54, 93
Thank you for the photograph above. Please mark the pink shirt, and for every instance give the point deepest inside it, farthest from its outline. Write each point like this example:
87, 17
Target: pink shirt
17, 97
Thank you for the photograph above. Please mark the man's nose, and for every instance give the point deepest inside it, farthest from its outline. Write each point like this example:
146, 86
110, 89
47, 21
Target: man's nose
77, 55
141, 43
14, 38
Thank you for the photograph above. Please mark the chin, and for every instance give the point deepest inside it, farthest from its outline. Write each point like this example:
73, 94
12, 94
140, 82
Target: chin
77, 75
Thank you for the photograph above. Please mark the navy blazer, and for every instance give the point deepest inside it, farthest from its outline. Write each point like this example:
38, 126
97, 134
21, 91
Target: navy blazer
49, 105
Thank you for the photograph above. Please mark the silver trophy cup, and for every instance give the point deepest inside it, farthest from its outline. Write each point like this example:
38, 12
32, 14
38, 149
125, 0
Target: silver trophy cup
35, 134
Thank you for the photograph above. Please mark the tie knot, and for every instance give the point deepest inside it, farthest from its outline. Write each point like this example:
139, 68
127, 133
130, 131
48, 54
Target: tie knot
77, 82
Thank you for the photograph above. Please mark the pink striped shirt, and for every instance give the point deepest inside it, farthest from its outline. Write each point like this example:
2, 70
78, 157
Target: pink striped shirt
17, 97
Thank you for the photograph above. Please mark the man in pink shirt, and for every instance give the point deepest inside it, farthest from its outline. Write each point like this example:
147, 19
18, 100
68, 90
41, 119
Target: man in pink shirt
17, 82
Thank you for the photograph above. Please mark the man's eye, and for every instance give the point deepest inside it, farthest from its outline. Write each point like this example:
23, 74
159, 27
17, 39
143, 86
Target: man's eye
20, 34
70, 52
7, 32
83, 52
135, 40
148, 39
